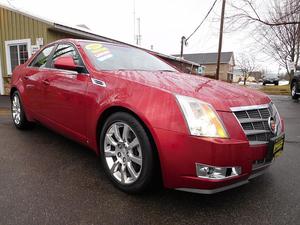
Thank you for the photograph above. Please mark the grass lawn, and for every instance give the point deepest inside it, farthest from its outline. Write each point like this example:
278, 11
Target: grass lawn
276, 90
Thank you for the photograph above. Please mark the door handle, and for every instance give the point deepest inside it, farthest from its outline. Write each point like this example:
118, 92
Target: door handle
46, 82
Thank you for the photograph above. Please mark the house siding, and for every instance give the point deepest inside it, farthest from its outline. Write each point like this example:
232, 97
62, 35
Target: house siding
55, 35
210, 71
16, 26
181, 66
209, 62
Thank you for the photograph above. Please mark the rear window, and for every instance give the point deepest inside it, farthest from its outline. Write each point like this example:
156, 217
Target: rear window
114, 57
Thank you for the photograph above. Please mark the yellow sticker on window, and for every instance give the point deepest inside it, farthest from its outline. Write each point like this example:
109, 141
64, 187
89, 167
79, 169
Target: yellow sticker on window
99, 51
93, 46
96, 48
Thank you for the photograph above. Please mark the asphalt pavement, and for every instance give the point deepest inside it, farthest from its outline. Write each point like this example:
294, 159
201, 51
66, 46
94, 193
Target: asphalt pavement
48, 179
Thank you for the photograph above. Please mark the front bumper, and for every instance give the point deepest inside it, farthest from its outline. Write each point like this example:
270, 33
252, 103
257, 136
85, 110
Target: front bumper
255, 173
179, 153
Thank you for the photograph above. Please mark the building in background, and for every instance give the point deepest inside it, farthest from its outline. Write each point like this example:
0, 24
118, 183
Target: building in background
209, 62
182, 65
254, 76
22, 34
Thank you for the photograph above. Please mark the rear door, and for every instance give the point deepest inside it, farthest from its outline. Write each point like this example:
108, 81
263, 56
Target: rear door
65, 94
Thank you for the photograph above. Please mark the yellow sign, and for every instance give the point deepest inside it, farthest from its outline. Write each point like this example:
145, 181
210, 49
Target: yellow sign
278, 147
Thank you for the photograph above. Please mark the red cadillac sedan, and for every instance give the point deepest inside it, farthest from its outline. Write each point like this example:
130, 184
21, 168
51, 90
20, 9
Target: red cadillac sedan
145, 119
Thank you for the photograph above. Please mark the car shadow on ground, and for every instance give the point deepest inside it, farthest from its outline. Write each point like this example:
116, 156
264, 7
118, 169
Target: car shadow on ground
83, 157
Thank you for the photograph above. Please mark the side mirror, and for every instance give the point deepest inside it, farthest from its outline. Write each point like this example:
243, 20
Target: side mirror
67, 63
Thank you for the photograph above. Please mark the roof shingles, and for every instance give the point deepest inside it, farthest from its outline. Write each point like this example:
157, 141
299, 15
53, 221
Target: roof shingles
208, 58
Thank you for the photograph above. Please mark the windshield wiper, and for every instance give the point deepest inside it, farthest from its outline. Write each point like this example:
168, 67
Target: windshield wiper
172, 71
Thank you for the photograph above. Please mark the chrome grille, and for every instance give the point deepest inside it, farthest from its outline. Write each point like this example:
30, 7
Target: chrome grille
265, 113
253, 113
254, 121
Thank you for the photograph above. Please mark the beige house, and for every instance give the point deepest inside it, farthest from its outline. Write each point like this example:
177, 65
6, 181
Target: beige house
209, 62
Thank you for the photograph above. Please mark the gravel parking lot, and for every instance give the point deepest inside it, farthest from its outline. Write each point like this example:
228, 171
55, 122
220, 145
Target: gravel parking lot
48, 179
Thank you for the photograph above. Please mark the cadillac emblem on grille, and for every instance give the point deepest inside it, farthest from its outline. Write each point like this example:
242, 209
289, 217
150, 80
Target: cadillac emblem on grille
272, 124
260, 123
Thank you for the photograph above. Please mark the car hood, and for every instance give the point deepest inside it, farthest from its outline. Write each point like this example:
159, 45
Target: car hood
220, 94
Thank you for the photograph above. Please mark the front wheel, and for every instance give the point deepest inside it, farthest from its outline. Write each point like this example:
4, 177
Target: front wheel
294, 91
18, 113
126, 153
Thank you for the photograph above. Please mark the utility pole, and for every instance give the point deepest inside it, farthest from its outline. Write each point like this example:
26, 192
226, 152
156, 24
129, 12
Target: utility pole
220, 40
183, 42
134, 36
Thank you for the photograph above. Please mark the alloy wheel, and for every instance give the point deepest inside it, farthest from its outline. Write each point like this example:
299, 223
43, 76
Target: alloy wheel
16, 110
122, 152
294, 90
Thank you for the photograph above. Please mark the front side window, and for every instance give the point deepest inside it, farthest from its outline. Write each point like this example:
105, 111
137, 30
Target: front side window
106, 56
66, 50
42, 57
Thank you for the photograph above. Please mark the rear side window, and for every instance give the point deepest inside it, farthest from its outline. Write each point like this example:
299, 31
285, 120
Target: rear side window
41, 59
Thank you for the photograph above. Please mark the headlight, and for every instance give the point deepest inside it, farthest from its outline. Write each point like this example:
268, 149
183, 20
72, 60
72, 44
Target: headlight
201, 118
276, 116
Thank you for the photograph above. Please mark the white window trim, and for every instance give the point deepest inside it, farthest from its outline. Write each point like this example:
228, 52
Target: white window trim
7, 52
1, 78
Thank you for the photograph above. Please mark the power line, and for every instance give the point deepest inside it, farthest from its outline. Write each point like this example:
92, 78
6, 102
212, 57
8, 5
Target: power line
211, 8
184, 40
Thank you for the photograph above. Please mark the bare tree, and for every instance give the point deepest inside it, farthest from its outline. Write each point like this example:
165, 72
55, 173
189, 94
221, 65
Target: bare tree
258, 74
247, 65
246, 11
277, 33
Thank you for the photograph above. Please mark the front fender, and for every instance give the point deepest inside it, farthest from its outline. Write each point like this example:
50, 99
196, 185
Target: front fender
155, 107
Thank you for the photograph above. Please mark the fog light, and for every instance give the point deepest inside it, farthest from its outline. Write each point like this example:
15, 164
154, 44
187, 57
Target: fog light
217, 173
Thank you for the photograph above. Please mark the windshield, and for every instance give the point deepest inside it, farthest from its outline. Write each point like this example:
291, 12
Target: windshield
106, 56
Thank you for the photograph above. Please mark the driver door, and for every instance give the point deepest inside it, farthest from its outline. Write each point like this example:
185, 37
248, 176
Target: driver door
66, 95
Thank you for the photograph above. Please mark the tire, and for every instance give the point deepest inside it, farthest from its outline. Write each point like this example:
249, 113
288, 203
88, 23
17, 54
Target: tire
128, 160
294, 91
276, 83
18, 114
264, 83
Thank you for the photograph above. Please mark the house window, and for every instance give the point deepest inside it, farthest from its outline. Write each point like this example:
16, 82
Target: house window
17, 52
